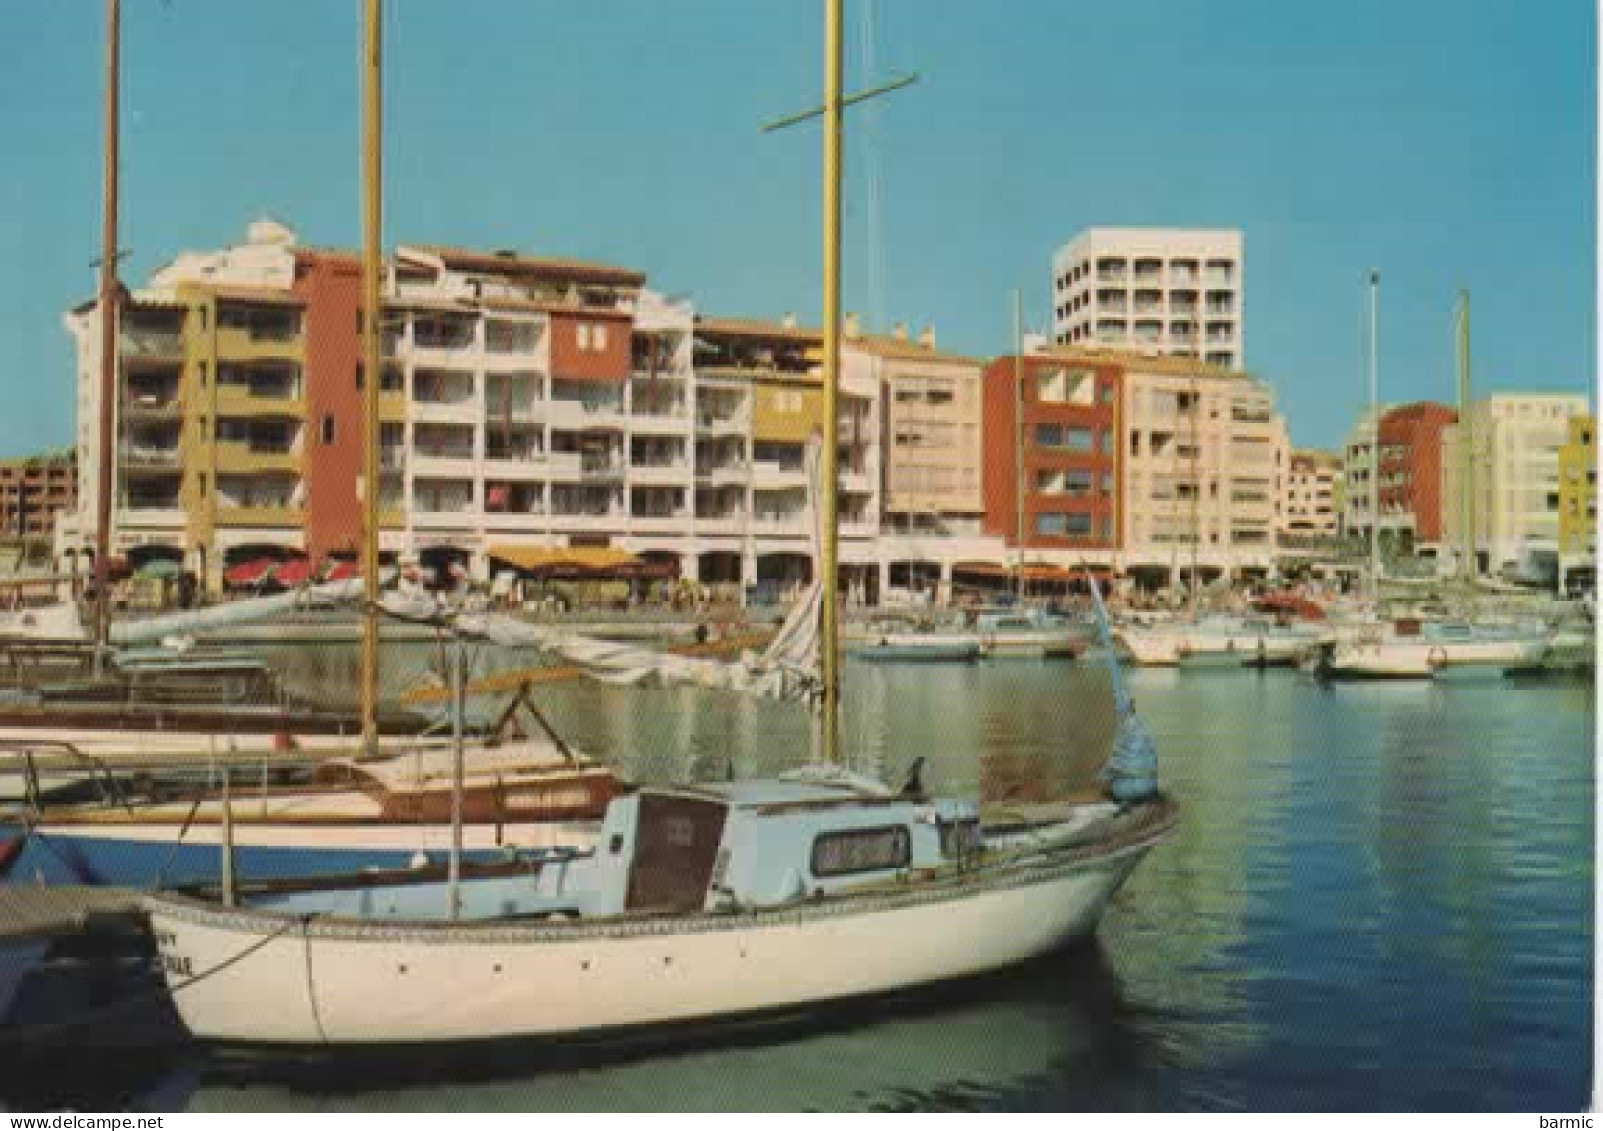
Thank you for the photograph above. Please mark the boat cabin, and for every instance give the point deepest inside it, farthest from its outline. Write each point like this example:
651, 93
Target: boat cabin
721, 847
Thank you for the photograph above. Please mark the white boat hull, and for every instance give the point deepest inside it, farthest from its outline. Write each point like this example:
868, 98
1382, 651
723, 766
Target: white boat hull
1032, 645
280, 979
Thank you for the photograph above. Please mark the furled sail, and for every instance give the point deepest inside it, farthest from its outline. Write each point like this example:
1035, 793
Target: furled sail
250, 611
1132, 769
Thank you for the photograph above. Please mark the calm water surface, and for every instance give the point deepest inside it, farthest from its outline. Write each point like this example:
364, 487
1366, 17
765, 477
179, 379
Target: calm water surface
1379, 897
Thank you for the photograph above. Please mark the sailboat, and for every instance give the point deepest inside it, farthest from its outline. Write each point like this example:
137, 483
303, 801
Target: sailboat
102, 782
1409, 648
704, 901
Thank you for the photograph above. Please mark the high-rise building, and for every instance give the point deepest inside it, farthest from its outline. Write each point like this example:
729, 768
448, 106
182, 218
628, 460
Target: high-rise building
1152, 290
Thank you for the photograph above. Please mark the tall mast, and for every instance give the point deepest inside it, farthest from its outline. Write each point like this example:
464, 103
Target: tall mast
1374, 433
1018, 440
106, 445
1468, 565
1193, 590
833, 66
372, 364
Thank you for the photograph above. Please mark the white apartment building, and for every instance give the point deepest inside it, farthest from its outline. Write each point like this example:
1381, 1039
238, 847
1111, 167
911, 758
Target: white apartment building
1204, 454
1308, 497
1152, 290
1515, 459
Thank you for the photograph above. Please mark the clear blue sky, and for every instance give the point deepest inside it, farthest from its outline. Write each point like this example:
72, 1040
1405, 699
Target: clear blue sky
1448, 143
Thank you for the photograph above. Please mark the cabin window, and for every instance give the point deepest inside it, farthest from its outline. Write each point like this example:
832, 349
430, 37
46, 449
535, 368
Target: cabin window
960, 838
862, 850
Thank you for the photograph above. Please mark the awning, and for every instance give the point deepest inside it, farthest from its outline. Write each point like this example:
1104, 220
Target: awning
580, 561
1033, 571
249, 573
344, 571
296, 572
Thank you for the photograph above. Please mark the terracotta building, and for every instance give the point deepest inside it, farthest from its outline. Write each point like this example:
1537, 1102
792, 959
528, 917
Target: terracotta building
1411, 468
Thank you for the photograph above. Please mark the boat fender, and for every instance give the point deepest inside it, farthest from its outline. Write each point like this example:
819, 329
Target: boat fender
420, 860
11, 852
1437, 657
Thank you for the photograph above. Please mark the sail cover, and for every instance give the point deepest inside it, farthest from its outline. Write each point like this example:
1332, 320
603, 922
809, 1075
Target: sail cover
1132, 769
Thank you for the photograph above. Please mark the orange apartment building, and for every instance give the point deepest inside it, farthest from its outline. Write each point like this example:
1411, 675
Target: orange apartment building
1411, 469
1071, 463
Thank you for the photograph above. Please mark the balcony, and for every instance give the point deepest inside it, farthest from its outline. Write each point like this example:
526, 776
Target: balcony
674, 472
726, 523
156, 345
580, 416
280, 514
789, 524
152, 405
725, 474
247, 456
600, 469
517, 339
727, 423
242, 344
257, 391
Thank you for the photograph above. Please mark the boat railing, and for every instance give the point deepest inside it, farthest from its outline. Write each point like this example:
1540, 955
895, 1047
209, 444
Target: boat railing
97, 771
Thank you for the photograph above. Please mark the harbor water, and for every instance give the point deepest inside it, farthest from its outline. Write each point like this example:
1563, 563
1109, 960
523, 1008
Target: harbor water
1379, 897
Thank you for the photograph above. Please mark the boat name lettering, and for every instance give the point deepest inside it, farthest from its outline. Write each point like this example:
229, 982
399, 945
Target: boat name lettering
179, 965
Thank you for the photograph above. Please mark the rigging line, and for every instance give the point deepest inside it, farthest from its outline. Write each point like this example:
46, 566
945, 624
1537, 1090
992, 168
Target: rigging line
873, 165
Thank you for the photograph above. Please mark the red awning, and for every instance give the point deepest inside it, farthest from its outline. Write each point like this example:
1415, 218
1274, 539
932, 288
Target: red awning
296, 571
1291, 604
344, 571
249, 573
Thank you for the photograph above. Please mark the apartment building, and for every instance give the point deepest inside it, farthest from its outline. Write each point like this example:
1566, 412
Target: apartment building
526, 402
1205, 452
33, 490
1518, 439
1358, 464
1310, 509
1053, 456
1411, 460
1577, 516
932, 443
1167, 291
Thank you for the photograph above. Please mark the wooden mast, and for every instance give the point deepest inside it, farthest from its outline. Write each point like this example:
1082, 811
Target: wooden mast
106, 447
372, 363
830, 628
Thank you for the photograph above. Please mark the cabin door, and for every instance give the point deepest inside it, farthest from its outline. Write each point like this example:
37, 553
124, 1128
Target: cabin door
676, 843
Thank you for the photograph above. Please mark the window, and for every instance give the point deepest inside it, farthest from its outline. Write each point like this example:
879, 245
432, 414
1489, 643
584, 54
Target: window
862, 850
1051, 523
1079, 483
1079, 525
583, 331
598, 337
1061, 436
328, 428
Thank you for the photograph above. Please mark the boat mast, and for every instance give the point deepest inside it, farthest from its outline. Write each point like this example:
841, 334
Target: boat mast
1374, 434
1193, 590
1018, 440
372, 264
833, 67
106, 445
1468, 565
